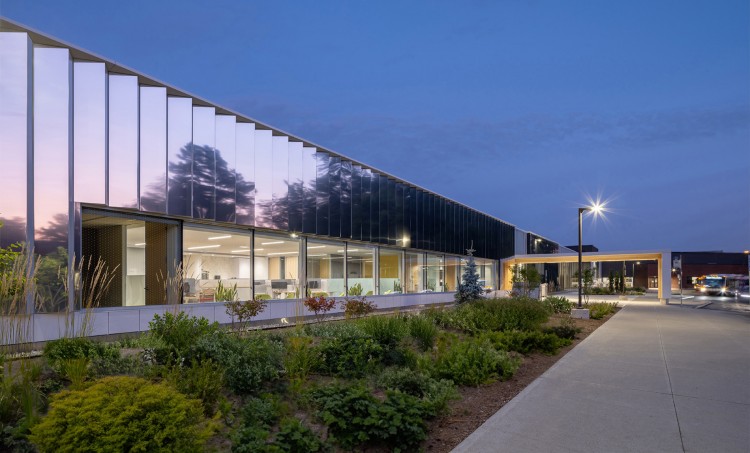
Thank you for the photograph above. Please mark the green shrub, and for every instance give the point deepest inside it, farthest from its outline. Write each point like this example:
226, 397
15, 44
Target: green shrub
355, 307
492, 314
598, 310
471, 362
567, 329
122, 414
349, 357
293, 436
249, 363
178, 332
388, 331
58, 351
301, 357
557, 304
355, 417
433, 392
335, 330
423, 330
76, 371
111, 366
202, 380
526, 342
258, 416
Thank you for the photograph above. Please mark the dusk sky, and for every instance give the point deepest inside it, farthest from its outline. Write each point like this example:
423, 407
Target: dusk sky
521, 109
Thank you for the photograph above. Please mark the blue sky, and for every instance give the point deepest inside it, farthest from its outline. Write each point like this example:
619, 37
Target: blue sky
521, 109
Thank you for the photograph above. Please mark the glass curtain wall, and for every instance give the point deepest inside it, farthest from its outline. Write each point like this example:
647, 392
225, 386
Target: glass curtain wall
360, 270
390, 271
325, 269
434, 273
413, 272
486, 271
216, 265
276, 267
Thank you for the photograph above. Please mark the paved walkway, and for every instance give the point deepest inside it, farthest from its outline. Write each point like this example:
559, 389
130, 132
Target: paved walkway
654, 378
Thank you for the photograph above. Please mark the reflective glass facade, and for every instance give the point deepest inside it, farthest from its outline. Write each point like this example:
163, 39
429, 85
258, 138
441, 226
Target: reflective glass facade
83, 134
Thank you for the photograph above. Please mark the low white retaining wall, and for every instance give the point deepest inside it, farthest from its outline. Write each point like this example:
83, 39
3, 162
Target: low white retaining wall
118, 320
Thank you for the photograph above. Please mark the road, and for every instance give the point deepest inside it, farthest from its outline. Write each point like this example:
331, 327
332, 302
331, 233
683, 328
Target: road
733, 304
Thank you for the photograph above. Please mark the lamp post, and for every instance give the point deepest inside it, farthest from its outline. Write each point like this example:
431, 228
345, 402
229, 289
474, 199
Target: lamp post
595, 209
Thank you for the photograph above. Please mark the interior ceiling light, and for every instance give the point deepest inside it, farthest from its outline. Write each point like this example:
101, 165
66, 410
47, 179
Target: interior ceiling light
282, 253
226, 236
272, 243
139, 244
204, 247
310, 247
240, 251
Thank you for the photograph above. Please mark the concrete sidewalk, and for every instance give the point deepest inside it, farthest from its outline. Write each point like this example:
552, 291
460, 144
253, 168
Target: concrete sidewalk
654, 378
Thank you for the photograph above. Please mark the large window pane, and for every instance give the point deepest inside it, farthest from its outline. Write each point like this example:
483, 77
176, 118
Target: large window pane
263, 179
51, 148
204, 163
414, 272
216, 263
359, 269
15, 108
245, 174
346, 199
226, 156
325, 268
434, 273
280, 183
180, 156
486, 270
276, 267
334, 210
323, 193
365, 208
452, 273
356, 200
153, 149
296, 186
390, 271
309, 175
123, 141
89, 132
374, 207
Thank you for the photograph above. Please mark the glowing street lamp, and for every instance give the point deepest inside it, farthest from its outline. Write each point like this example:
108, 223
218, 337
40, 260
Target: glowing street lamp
596, 209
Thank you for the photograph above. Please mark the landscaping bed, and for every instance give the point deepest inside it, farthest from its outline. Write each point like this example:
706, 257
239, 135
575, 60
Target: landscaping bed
399, 382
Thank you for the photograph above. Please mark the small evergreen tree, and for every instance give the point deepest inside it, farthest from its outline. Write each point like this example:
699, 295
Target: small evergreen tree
469, 289
622, 283
611, 282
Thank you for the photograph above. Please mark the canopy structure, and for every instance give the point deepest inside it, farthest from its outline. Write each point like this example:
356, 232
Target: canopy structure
662, 258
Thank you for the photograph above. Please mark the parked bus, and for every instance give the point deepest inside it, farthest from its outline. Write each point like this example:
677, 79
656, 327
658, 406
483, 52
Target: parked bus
722, 284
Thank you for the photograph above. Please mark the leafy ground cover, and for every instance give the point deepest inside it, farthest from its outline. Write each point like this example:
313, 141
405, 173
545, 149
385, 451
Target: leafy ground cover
378, 383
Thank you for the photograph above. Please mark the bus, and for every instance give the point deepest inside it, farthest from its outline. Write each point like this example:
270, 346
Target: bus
722, 284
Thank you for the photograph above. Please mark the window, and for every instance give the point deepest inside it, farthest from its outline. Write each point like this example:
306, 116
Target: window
389, 271
276, 267
359, 268
216, 265
452, 273
434, 273
414, 272
325, 268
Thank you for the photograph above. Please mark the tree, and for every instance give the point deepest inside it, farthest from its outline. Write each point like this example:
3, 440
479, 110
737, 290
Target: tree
527, 277
611, 282
469, 289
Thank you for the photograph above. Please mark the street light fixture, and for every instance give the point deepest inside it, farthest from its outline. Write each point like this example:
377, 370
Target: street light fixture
596, 209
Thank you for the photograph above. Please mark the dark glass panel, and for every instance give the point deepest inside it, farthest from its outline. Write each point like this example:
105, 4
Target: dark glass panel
280, 170
309, 175
179, 156
413, 234
366, 205
323, 192
334, 175
153, 148
356, 203
52, 141
263, 179
399, 215
15, 126
419, 217
226, 158
122, 142
346, 199
392, 215
89, 132
296, 186
245, 173
204, 163
384, 219
374, 207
